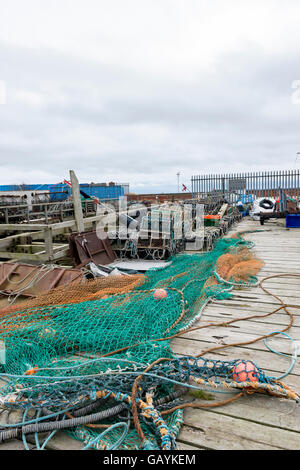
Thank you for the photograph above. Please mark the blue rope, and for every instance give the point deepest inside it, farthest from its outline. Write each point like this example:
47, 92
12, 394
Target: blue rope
293, 359
37, 419
116, 444
23, 435
49, 437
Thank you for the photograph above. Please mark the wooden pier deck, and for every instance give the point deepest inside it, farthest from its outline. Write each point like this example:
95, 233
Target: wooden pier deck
256, 421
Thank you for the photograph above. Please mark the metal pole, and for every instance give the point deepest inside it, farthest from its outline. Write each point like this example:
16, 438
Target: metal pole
178, 175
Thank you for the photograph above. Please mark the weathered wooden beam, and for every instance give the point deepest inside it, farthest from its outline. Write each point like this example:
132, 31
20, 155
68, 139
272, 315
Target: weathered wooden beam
23, 256
48, 243
61, 253
223, 210
77, 202
6, 242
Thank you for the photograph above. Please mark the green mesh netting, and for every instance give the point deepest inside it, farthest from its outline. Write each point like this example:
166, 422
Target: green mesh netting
45, 336
63, 341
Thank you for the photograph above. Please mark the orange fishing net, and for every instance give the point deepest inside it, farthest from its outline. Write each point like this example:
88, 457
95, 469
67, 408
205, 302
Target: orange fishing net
238, 266
80, 291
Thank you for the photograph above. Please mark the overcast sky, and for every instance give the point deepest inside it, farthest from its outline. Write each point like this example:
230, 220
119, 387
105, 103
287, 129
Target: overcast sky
137, 90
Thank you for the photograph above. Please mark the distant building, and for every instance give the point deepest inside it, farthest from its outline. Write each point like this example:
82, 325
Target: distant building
29, 193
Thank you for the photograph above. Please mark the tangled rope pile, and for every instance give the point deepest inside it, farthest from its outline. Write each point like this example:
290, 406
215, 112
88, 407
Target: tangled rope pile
103, 369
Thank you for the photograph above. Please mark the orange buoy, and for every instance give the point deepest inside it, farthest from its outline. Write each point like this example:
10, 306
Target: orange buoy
160, 294
245, 371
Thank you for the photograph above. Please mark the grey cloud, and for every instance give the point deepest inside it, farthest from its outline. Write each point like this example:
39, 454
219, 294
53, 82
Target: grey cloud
111, 122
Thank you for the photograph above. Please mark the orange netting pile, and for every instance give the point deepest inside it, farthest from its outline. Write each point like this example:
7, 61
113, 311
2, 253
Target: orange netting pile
238, 266
80, 291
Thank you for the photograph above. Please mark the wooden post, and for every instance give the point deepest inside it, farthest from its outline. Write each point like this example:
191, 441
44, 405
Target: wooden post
77, 202
48, 243
46, 213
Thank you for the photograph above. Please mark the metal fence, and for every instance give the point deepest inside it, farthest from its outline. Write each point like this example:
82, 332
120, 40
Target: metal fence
259, 184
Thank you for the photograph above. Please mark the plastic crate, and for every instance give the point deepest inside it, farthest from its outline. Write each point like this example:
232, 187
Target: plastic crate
212, 220
292, 221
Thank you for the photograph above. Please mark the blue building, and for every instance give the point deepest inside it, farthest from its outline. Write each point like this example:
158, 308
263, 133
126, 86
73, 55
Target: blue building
61, 191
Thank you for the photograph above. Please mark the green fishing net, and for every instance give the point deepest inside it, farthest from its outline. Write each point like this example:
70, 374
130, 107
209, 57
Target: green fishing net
65, 341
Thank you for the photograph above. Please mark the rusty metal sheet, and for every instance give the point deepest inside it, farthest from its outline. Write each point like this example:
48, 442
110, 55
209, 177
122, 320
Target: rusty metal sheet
86, 247
15, 277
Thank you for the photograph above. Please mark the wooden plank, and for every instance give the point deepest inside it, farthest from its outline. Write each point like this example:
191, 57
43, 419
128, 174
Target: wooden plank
210, 439
251, 326
223, 210
23, 256
270, 271
270, 252
217, 316
61, 253
263, 298
254, 305
6, 242
219, 336
287, 264
61, 441
290, 300
182, 446
48, 243
287, 299
250, 304
22, 227
284, 414
286, 281
77, 202
214, 432
14, 444
279, 291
